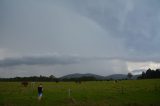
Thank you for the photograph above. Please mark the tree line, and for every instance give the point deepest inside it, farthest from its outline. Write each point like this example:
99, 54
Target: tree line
150, 74
40, 78
50, 78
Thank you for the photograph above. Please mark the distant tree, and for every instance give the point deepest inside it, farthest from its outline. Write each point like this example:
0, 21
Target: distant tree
143, 75
150, 74
129, 75
51, 76
157, 73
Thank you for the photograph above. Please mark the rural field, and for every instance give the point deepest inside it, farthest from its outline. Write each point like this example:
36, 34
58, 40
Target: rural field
92, 93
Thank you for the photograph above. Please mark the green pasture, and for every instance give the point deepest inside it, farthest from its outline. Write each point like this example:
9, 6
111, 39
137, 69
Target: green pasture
93, 93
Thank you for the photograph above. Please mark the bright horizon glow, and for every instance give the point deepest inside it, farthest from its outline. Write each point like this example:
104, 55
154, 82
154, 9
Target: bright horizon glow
142, 65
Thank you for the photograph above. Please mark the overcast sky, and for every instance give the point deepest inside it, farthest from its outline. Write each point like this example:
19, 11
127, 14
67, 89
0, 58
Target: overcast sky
59, 37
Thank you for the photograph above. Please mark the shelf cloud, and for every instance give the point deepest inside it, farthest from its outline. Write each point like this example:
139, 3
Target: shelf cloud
38, 60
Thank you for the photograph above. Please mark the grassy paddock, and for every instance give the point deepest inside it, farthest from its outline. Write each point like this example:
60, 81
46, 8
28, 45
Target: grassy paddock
96, 93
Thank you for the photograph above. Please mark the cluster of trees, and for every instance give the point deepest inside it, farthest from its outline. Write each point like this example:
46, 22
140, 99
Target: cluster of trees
129, 75
150, 74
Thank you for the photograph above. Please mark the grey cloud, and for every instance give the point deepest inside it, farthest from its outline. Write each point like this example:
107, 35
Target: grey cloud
60, 65
66, 60
60, 28
38, 60
124, 30
137, 21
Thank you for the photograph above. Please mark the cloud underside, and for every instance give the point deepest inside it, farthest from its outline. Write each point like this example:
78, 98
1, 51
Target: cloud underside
62, 65
65, 60
48, 60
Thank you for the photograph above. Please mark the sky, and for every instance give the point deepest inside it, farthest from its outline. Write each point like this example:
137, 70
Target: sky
59, 37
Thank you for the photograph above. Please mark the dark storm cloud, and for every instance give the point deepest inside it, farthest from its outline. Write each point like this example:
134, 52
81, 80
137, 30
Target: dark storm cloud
38, 60
66, 60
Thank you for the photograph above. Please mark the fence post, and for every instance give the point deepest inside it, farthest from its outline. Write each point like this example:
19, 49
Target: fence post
122, 90
69, 93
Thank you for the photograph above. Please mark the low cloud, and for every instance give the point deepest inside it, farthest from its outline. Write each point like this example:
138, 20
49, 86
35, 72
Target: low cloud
60, 65
38, 60
66, 60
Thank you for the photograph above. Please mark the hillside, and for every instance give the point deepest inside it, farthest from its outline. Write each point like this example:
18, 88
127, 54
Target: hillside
98, 77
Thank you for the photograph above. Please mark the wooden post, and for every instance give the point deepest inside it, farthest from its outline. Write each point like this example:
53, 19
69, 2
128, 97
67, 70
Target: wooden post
32, 84
69, 93
122, 90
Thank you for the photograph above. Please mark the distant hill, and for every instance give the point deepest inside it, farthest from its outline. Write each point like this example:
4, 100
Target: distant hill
98, 77
77, 75
71, 77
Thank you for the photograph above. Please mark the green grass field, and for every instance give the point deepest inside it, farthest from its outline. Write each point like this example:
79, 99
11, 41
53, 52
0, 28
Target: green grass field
96, 93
